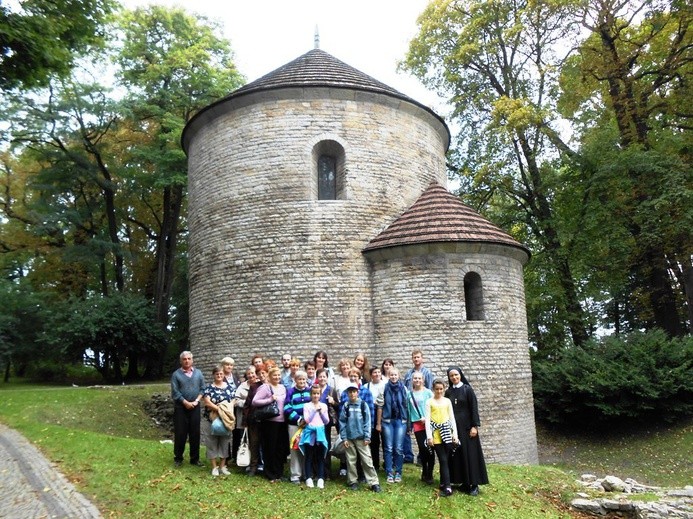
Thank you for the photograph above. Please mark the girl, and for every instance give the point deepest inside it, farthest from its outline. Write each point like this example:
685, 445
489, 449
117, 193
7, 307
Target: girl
420, 394
391, 420
314, 440
361, 362
441, 432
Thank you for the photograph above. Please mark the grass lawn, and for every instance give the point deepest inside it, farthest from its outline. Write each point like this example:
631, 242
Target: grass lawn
104, 442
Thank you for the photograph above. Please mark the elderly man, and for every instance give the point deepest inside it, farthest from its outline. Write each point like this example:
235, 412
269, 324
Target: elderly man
187, 385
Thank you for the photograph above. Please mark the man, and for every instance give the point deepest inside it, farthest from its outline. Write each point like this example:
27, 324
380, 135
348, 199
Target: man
286, 371
417, 359
187, 385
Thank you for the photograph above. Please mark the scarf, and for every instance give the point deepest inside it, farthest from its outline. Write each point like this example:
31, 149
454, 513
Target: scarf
444, 429
394, 400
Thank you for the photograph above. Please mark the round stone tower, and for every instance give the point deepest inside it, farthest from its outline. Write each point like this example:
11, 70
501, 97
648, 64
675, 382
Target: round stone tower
318, 221
275, 264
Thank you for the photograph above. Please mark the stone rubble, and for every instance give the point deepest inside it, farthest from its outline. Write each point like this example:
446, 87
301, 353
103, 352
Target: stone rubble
672, 503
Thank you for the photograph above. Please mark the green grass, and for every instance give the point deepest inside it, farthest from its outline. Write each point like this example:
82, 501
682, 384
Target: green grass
652, 455
104, 442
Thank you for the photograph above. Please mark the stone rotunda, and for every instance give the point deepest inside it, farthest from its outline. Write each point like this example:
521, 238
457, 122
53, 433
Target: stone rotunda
319, 220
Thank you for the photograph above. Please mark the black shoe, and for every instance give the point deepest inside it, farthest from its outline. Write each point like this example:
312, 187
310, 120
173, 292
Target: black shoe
428, 481
354, 486
197, 463
474, 491
446, 492
177, 463
376, 489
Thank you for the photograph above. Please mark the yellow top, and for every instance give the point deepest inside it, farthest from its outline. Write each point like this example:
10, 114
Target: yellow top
440, 413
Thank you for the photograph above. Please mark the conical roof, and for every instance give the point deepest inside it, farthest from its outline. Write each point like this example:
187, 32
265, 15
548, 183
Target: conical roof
439, 216
317, 68
314, 69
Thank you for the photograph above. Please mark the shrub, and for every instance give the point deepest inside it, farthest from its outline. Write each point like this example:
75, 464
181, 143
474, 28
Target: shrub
639, 376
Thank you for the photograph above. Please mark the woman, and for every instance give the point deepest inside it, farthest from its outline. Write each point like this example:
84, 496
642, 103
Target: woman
467, 465
391, 420
321, 362
227, 364
420, 394
385, 368
239, 399
217, 446
341, 380
376, 386
275, 436
294, 367
361, 362
441, 432
254, 431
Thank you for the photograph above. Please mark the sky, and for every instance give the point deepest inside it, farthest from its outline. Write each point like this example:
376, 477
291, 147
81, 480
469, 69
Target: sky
370, 35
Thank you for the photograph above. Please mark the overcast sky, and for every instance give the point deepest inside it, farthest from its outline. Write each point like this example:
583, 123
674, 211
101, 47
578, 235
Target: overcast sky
370, 35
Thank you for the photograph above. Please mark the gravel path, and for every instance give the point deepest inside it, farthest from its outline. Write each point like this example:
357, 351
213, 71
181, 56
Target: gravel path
32, 487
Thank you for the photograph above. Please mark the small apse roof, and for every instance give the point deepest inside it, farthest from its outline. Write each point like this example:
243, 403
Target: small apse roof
439, 216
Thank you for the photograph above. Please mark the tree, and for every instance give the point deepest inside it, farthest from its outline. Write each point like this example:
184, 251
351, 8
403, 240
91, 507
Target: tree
104, 331
172, 64
42, 38
634, 73
607, 214
497, 62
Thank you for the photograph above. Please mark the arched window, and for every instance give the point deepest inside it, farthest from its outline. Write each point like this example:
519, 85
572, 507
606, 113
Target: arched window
329, 171
473, 297
327, 178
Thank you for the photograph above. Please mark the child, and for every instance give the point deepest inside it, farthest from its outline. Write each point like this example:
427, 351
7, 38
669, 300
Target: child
313, 440
441, 432
355, 431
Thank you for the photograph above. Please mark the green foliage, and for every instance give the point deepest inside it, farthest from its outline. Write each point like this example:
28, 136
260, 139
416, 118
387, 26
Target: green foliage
642, 376
110, 327
22, 317
40, 38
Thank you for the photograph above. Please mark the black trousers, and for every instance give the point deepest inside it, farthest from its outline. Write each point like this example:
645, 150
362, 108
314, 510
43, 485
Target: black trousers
186, 427
426, 455
275, 447
375, 448
443, 451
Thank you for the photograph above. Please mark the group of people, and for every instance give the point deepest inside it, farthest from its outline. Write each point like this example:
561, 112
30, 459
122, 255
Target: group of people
289, 411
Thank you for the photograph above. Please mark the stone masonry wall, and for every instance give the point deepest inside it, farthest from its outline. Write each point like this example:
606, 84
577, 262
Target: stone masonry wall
272, 270
418, 301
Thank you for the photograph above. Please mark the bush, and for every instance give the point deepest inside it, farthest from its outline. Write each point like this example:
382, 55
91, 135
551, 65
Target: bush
635, 377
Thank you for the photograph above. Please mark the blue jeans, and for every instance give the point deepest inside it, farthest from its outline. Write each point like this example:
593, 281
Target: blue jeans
393, 445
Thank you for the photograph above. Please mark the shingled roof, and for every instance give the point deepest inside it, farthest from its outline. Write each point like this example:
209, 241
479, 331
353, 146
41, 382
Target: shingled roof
439, 216
317, 68
314, 69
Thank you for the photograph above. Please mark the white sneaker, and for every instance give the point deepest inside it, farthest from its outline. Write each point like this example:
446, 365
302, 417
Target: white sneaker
321, 483
224, 471
309, 482
215, 471
342, 472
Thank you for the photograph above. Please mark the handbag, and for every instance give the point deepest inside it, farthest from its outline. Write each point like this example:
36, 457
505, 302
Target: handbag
243, 455
266, 411
338, 447
218, 428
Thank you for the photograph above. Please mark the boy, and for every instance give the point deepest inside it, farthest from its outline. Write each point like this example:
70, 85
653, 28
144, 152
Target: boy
355, 431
